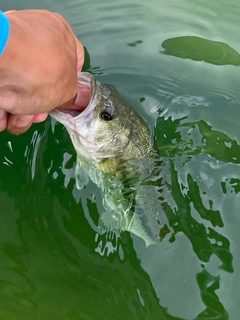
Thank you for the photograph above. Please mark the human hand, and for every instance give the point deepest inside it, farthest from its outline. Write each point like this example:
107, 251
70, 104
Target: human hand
38, 69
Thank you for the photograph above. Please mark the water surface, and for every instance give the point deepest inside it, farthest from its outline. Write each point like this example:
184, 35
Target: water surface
178, 64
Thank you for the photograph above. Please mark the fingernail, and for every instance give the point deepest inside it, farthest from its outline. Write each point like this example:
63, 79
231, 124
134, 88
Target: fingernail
2, 114
3, 120
83, 98
78, 99
23, 121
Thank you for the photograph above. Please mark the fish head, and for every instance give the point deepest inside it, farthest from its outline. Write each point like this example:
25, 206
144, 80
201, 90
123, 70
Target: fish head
108, 128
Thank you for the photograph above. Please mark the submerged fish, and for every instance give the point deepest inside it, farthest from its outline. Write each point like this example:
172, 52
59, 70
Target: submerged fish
114, 148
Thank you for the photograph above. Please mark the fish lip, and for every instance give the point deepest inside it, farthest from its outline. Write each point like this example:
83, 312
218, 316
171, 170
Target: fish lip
68, 117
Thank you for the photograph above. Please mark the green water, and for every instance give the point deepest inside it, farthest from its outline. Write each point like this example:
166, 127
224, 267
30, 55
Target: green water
178, 63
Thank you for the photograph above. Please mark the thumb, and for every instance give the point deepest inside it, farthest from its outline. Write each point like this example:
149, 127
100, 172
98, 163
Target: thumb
80, 54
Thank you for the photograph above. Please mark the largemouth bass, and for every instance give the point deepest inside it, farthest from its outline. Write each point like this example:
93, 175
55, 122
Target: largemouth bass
114, 148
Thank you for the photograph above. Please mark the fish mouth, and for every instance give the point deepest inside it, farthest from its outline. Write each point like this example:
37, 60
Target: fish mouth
70, 117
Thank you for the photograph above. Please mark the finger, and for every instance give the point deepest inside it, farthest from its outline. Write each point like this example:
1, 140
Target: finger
80, 101
83, 98
68, 104
3, 120
79, 46
40, 117
80, 54
19, 123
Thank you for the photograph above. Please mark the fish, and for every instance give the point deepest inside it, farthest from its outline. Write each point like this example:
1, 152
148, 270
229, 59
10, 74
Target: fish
114, 148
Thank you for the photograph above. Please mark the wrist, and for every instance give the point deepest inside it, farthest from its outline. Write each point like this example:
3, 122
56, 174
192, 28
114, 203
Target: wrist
5, 30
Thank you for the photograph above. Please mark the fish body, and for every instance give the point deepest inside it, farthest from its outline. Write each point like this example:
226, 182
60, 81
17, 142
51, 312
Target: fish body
114, 148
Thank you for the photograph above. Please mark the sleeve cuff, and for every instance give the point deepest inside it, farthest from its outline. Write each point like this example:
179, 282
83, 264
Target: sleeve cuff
4, 31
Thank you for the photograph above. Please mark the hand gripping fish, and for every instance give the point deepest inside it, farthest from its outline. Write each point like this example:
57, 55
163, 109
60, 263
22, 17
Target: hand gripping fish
114, 146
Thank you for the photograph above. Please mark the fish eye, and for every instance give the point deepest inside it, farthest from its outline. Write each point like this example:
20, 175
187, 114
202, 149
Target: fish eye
108, 113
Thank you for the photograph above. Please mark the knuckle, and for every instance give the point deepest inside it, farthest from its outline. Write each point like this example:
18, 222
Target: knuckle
9, 100
19, 123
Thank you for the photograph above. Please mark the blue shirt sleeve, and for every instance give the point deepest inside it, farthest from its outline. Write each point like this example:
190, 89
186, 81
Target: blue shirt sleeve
4, 31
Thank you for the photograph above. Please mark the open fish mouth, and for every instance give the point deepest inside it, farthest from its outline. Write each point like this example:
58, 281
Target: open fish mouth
70, 117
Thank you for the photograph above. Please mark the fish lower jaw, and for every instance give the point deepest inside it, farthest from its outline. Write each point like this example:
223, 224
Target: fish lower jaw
65, 117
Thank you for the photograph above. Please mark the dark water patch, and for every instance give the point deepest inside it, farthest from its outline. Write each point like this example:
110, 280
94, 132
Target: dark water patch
134, 44
208, 286
199, 49
205, 240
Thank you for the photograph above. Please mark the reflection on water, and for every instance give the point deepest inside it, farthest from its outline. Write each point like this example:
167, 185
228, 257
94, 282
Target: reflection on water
205, 241
208, 285
54, 263
199, 49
